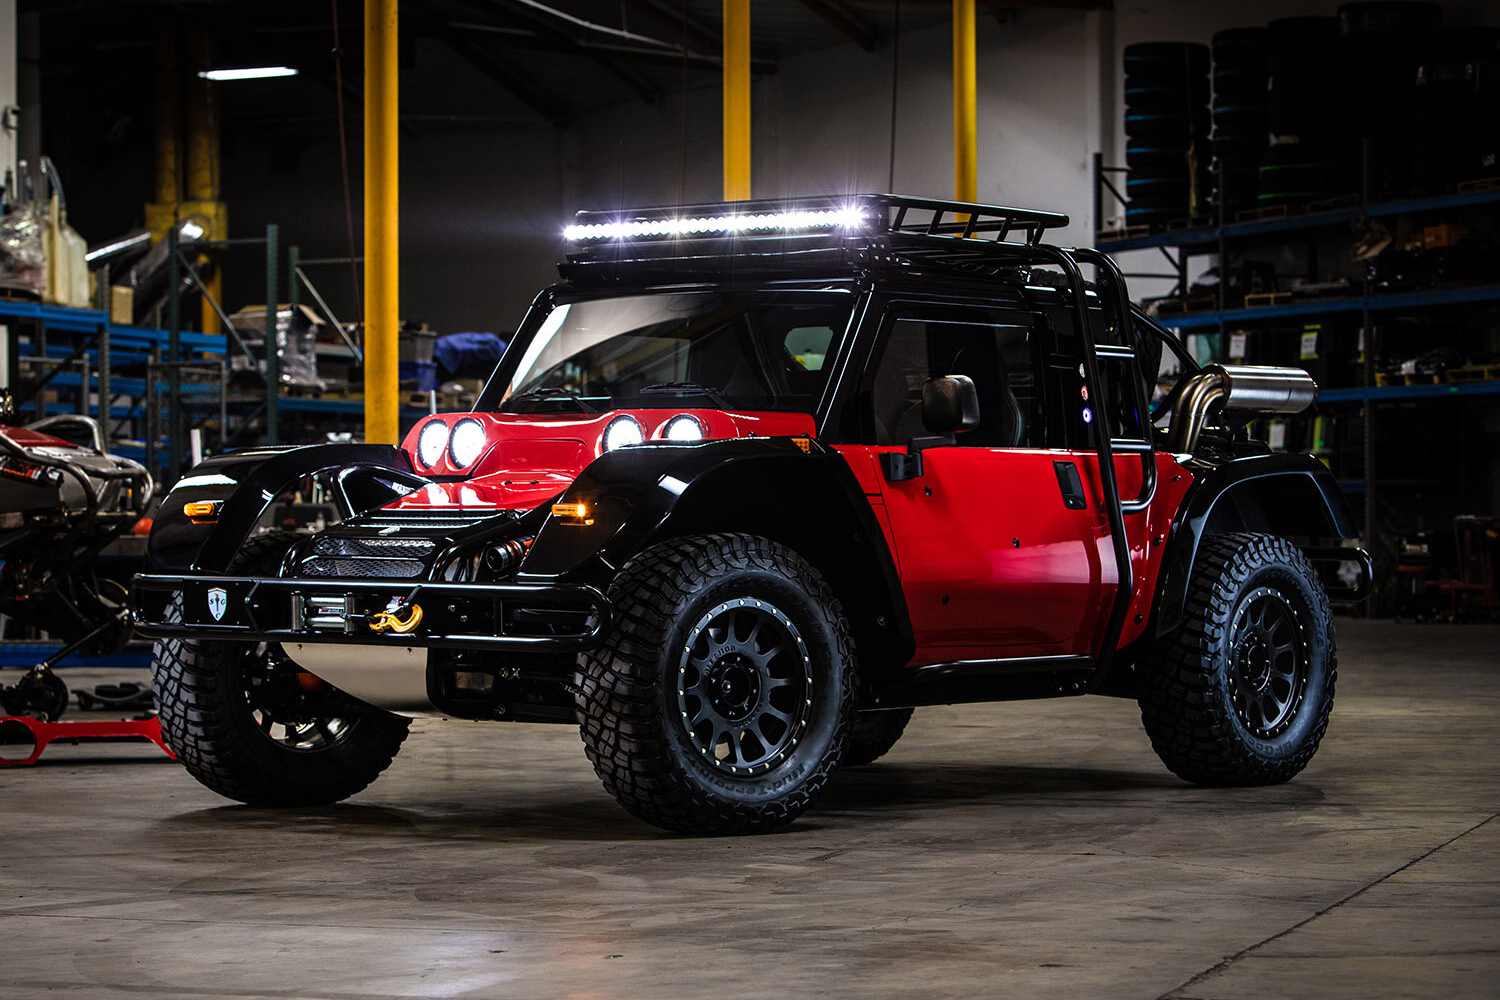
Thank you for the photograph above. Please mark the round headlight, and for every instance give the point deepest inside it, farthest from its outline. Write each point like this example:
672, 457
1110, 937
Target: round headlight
683, 427
466, 443
430, 443
623, 431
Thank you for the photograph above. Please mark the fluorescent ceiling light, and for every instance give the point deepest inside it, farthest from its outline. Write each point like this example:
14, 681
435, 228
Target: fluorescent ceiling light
249, 73
764, 222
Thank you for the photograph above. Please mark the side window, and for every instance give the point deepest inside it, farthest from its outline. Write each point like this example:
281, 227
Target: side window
1114, 402
994, 348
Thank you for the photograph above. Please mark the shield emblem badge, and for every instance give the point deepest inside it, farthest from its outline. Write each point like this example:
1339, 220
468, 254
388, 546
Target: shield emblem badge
218, 602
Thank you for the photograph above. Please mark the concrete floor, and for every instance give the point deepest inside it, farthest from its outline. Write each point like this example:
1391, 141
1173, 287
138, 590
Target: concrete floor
1031, 849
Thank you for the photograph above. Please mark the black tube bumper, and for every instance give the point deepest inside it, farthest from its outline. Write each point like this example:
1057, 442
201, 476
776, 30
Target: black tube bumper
536, 617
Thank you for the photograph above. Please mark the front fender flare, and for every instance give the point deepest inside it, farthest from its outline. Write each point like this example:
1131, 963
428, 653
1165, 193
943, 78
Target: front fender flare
246, 482
766, 486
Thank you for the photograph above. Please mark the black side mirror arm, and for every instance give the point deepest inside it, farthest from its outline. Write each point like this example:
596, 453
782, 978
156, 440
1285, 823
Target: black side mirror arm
899, 467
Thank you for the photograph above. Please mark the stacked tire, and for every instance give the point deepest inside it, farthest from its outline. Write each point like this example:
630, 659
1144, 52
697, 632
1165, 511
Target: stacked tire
1166, 130
1378, 48
1239, 118
1302, 112
1457, 108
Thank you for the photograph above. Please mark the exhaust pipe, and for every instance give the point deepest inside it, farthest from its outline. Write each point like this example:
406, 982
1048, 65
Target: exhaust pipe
1248, 388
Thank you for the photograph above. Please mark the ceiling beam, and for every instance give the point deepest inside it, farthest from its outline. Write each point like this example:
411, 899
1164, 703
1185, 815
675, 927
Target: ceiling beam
550, 108
541, 19
675, 16
849, 22
674, 57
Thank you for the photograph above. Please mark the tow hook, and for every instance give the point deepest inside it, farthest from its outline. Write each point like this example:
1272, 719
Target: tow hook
391, 621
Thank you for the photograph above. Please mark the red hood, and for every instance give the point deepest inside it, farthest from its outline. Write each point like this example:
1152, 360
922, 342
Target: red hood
528, 459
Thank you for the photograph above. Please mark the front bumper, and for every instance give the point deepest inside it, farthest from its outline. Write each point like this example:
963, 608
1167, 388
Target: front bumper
556, 617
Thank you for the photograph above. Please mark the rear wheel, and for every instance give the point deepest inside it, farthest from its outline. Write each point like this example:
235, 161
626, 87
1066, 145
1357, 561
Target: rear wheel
1240, 694
721, 701
874, 733
251, 725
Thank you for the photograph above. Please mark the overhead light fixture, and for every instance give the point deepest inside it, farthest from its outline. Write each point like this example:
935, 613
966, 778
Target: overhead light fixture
248, 73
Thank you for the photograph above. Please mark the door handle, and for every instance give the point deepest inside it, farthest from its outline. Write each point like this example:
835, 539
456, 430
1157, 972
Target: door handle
1071, 485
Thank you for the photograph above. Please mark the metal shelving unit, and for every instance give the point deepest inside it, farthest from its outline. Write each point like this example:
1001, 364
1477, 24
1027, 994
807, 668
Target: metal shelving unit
1179, 245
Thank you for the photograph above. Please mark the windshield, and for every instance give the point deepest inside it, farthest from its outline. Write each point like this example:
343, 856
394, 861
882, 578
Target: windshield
738, 350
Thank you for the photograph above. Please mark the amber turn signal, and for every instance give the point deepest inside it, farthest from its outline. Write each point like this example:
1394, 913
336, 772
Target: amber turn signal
199, 511
573, 513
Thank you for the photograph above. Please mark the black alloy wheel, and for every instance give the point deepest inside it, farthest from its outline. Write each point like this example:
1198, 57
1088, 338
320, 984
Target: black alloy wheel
744, 684
1268, 663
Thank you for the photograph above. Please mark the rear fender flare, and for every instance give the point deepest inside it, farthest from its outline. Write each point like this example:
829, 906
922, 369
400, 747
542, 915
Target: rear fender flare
809, 501
247, 482
1287, 495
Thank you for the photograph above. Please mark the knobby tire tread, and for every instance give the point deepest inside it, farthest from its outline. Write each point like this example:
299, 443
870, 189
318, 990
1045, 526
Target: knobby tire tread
194, 706
621, 691
1183, 697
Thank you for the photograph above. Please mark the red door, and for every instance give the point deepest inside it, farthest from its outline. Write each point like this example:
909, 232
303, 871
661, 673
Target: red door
1003, 543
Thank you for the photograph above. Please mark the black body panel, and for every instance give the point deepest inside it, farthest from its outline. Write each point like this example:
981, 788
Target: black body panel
248, 481
1284, 494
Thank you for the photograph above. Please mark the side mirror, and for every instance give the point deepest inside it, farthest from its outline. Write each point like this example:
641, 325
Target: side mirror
950, 403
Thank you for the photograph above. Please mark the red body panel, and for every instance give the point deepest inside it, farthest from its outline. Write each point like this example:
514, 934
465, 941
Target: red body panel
35, 439
527, 458
992, 562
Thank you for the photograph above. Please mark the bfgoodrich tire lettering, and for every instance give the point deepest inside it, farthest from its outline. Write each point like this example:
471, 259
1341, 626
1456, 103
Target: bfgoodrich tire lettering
721, 701
223, 712
1240, 694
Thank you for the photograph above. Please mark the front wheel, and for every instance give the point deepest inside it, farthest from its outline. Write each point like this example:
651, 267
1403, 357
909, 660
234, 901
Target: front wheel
1240, 694
252, 726
721, 701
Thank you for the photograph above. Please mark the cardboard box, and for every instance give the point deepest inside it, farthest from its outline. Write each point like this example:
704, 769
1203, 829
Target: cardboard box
122, 304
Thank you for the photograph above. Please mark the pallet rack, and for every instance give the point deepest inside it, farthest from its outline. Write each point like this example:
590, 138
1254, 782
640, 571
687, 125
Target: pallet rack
1179, 245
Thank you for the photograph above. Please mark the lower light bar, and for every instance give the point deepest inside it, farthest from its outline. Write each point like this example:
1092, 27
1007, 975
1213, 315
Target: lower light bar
841, 218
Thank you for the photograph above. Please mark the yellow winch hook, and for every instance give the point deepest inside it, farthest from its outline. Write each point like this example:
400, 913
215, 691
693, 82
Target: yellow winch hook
390, 621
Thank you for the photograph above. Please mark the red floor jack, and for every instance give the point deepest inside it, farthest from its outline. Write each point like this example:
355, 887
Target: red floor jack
39, 689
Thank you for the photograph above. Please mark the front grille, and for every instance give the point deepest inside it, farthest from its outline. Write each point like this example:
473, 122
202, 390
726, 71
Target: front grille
354, 556
424, 521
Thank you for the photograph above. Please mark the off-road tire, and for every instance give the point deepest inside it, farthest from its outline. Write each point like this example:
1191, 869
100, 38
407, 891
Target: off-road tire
1198, 686
635, 693
873, 735
207, 718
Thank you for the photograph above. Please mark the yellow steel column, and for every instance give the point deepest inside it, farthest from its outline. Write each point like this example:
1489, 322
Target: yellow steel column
965, 131
382, 302
203, 188
736, 100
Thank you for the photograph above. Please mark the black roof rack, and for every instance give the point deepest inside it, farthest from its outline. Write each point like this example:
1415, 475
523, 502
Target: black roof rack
797, 235
852, 216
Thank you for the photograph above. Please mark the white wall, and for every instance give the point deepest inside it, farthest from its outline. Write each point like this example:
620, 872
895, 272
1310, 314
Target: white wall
8, 96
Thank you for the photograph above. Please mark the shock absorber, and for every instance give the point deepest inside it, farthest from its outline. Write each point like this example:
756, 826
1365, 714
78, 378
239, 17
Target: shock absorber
503, 558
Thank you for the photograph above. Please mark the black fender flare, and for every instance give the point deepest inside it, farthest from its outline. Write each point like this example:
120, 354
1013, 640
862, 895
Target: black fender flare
246, 482
1281, 494
808, 500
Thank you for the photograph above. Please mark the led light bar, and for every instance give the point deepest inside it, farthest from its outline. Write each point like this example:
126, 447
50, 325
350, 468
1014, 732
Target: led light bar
763, 222
248, 73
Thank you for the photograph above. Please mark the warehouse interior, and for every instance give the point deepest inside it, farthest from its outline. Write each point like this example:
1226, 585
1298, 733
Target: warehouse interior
235, 234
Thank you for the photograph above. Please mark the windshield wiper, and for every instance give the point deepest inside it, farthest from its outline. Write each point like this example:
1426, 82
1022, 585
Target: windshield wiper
555, 392
684, 389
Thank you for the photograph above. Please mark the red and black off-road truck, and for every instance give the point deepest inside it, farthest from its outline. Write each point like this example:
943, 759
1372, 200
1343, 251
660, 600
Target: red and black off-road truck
750, 484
